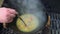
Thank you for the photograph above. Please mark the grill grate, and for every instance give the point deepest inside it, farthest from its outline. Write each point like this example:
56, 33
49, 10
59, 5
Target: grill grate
55, 23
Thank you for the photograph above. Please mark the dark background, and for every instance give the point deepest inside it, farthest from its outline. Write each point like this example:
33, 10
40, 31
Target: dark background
52, 5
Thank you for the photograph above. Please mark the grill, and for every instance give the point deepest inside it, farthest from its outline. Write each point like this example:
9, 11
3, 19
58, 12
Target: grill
55, 23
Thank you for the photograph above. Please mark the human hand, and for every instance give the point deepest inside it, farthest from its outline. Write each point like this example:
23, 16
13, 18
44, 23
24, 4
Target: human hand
7, 15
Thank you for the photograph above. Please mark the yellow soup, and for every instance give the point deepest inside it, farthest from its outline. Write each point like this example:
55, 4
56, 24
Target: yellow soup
30, 20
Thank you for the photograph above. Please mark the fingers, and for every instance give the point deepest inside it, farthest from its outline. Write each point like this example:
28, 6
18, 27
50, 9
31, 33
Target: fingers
9, 10
7, 15
10, 20
10, 17
12, 11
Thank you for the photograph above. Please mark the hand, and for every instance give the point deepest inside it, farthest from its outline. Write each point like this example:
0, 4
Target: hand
7, 15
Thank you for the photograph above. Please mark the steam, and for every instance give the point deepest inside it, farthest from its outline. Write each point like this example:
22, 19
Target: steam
36, 8
33, 7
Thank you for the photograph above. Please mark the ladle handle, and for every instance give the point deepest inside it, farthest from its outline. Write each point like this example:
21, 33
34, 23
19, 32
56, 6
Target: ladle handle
21, 19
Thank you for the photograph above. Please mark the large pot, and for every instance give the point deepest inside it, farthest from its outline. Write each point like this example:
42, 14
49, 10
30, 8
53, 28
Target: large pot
31, 7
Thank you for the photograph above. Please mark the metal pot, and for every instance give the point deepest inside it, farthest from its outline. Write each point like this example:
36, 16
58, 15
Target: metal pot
34, 7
